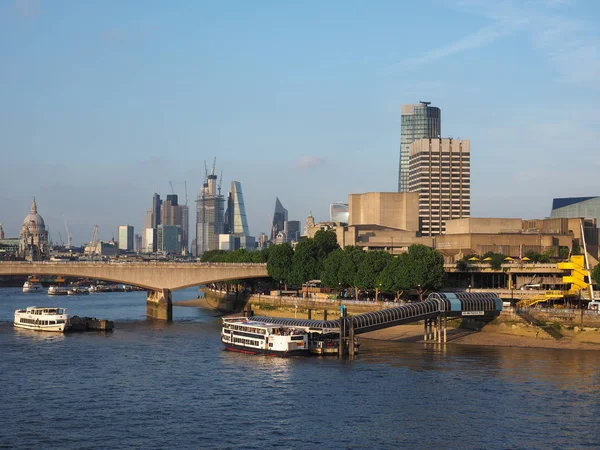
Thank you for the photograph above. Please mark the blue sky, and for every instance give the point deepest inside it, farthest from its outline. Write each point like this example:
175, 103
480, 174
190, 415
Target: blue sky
105, 102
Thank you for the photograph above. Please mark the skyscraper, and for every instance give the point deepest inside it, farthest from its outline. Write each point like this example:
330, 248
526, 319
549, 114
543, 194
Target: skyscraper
440, 171
209, 216
156, 206
174, 214
235, 215
418, 121
280, 215
126, 237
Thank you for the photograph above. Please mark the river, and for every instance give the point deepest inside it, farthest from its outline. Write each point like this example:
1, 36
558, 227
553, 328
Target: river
170, 385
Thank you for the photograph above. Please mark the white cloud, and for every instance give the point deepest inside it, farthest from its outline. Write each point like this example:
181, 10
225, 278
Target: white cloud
309, 162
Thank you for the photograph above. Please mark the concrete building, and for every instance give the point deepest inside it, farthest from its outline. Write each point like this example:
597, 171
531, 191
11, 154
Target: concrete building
516, 237
229, 242
174, 214
440, 171
338, 212
397, 210
126, 238
418, 121
209, 216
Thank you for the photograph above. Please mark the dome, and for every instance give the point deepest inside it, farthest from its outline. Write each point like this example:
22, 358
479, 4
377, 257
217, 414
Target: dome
33, 219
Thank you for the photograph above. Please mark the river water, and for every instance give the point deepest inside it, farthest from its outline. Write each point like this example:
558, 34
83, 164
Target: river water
158, 385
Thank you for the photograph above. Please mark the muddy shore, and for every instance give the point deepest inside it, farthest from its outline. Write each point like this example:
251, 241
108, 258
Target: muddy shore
497, 334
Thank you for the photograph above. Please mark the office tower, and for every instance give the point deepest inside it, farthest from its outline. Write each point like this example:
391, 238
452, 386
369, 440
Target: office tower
156, 206
137, 243
172, 213
291, 229
418, 121
239, 223
440, 171
149, 240
126, 241
148, 218
338, 212
209, 216
280, 215
1, 232
168, 239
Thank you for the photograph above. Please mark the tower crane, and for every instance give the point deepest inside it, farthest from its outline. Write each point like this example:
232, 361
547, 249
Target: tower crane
94, 242
172, 190
186, 196
220, 182
68, 233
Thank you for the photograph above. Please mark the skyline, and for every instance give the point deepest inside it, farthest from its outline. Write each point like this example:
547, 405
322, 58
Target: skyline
104, 104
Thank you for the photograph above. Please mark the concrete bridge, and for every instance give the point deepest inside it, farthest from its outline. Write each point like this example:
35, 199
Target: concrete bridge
159, 278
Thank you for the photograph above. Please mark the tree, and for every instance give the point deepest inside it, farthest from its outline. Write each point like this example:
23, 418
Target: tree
596, 274
279, 265
496, 261
330, 275
563, 252
368, 275
305, 263
353, 256
426, 267
396, 276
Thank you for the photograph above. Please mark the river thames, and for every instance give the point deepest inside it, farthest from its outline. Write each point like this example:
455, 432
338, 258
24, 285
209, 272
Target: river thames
158, 385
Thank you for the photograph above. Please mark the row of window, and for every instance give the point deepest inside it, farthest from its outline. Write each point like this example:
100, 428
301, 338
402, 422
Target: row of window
245, 341
40, 322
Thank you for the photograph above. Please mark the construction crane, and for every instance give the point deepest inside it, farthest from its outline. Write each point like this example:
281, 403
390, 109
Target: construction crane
93, 242
172, 190
214, 165
68, 233
220, 182
186, 196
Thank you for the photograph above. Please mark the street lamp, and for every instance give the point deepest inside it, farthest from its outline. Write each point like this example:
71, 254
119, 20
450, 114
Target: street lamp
469, 288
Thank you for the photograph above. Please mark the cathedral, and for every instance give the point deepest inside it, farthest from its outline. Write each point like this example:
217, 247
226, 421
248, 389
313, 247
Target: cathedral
33, 237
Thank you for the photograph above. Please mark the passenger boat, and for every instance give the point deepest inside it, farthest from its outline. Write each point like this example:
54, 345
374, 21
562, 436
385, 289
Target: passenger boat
32, 285
57, 290
41, 318
78, 291
242, 334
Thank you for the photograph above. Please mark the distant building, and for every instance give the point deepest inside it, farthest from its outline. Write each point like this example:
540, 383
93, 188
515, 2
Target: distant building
291, 229
587, 207
235, 217
280, 215
148, 240
418, 121
263, 240
209, 216
440, 171
33, 236
397, 210
229, 242
174, 214
137, 243
338, 212
126, 239
168, 239
156, 208
1, 232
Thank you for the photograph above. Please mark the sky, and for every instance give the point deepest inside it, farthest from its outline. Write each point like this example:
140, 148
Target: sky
103, 103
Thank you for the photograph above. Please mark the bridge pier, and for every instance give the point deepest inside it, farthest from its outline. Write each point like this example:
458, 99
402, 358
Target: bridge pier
159, 305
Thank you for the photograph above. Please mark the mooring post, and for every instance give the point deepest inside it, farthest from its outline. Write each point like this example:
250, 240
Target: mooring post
351, 339
324, 314
309, 314
445, 328
425, 330
342, 352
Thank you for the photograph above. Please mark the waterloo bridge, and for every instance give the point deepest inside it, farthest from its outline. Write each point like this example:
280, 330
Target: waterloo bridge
159, 278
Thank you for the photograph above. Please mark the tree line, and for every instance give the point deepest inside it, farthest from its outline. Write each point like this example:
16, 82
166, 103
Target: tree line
321, 258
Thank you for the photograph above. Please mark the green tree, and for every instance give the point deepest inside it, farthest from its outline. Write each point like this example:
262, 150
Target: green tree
330, 275
563, 252
326, 242
305, 263
279, 265
396, 276
426, 267
368, 275
596, 274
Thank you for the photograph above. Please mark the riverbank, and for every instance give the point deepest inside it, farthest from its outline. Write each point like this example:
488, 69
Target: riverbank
499, 333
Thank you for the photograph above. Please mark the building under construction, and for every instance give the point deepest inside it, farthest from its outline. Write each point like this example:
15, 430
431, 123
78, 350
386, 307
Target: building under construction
209, 215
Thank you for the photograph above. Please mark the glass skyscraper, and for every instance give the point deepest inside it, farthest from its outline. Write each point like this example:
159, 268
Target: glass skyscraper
235, 216
418, 122
280, 215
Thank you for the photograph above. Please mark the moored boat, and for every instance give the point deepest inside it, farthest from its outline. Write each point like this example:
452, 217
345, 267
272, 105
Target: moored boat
41, 318
32, 285
57, 290
245, 335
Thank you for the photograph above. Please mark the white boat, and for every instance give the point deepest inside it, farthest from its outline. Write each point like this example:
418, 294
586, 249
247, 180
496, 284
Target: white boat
32, 285
41, 318
245, 335
78, 291
57, 290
